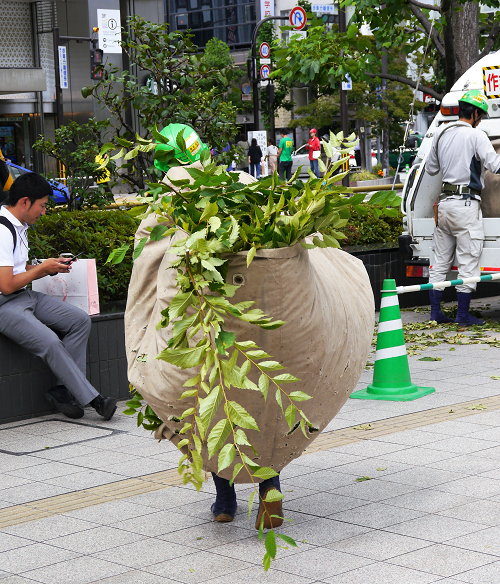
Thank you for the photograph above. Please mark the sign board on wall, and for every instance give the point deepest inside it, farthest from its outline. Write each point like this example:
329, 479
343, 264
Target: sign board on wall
63, 67
110, 32
266, 8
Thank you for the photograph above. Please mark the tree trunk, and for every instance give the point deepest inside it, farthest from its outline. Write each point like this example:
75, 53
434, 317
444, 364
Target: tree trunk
461, 38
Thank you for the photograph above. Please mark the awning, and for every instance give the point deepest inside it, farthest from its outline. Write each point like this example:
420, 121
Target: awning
22, 80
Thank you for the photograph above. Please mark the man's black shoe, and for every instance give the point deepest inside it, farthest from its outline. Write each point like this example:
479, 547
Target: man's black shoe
104, 406
62, 399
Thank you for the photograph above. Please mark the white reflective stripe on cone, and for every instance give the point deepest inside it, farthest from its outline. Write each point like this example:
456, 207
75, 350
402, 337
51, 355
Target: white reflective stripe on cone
389, 301
390, 325
390, 352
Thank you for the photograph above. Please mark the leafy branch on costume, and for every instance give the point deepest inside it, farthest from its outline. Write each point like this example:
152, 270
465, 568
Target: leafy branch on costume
208, 216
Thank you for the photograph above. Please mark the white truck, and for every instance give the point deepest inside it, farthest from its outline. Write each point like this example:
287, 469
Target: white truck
421, 190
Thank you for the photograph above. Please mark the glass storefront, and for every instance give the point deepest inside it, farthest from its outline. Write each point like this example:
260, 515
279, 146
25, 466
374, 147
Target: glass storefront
231, 21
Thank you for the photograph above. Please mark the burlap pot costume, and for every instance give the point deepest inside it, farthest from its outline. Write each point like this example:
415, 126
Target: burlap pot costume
323, 295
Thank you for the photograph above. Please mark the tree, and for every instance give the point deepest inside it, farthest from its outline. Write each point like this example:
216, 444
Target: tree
76, 147
459, 34
184, 87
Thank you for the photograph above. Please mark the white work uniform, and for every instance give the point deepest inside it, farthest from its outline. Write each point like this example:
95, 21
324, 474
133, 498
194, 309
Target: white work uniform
461, 153
19, 258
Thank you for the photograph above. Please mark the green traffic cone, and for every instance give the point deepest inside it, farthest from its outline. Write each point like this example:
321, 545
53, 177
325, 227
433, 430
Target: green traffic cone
391, 374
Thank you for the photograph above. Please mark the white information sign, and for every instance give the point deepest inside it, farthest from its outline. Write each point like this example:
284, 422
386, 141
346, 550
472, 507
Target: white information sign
110, 32
261, 137
347, 84
266, 8
265, 61
63, 68
297, 35
324, 8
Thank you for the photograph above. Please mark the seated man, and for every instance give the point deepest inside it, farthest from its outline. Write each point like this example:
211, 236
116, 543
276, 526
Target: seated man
53, 330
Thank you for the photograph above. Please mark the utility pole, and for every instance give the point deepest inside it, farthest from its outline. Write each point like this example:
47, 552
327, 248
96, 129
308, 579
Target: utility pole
344, 113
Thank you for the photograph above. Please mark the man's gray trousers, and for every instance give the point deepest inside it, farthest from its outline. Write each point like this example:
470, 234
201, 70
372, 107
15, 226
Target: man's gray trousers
53, 330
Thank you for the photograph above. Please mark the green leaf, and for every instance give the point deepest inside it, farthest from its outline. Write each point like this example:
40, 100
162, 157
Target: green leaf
265, 472
236, 469
270, 366
159, 232
210, 211
264, 384
224, 340
210, 405
118, 255
270, 543
239, 416
299, 396
266, 561
214, 223
287, 539
250, 503
179, 303
273, 495
138, 248
251, 255
361, 479
184, 358
290, 415
226, 456
257, 354
278, 398
286, 378
218, 436
430, 359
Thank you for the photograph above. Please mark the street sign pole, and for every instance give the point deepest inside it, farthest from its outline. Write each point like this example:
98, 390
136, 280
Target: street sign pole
344, 114
255, 78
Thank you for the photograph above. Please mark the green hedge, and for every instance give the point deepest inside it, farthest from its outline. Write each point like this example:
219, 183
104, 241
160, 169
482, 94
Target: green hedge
95, 233
365, 229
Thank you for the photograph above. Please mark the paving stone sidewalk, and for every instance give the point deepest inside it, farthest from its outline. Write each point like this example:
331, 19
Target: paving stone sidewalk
429, 513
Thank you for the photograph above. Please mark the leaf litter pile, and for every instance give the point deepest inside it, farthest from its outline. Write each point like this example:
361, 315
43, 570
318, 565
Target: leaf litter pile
420, 336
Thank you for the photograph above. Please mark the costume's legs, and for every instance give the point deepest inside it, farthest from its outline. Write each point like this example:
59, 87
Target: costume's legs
270, 509
19, 323
225, 504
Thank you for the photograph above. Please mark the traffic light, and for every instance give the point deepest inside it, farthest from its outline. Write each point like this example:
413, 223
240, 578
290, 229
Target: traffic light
96, 58
330, 18
270, 95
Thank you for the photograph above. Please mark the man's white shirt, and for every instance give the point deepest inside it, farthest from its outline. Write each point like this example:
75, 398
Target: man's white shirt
17, 258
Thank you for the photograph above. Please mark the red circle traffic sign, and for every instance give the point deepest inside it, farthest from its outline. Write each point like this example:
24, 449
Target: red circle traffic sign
298, 17
265, 71
264, 50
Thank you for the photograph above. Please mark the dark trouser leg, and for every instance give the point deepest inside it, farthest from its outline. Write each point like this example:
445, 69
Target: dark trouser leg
225, 504
272, 511
19, 323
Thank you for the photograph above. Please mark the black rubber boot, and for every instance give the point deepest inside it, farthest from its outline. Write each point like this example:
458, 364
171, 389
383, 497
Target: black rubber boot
224, 508
60, 397
436, 314
463, 316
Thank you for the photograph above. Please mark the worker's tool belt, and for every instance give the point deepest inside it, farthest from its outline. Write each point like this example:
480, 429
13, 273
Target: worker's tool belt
448, 190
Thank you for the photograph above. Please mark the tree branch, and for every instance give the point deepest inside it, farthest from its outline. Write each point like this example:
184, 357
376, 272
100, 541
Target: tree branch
409, 82
495, 29
426, 23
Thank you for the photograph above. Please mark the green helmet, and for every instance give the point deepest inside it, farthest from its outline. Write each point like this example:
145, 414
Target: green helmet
475, 97
194, 146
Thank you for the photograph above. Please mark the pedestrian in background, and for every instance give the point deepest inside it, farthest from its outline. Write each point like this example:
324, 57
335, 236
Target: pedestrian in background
314, 147
272, 155
285, 155
357, 154
243, 143
254, 158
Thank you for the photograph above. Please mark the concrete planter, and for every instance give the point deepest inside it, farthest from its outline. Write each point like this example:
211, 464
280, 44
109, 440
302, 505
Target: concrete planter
24, 378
